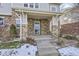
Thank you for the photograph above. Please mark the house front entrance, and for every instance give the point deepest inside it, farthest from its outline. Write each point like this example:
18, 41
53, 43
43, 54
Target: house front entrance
37, 27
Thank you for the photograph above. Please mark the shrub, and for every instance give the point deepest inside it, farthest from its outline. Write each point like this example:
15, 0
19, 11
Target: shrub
60, 41
29, 40
70, 37
13, 31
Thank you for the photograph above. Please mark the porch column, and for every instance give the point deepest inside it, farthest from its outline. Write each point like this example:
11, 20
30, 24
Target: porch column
51, 24
26, 25
21, 17
23, 25
58, 25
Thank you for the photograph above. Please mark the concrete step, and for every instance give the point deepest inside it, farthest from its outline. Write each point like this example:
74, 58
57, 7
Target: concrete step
48, 51
43, 37
49, 54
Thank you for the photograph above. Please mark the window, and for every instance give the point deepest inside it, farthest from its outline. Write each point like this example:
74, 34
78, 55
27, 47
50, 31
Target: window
1, 21
25, 5
18, 22
36, 5
18, 27
31, 5
23, 21
53, 8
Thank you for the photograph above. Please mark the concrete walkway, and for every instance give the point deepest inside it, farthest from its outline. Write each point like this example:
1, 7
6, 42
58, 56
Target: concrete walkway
45, 48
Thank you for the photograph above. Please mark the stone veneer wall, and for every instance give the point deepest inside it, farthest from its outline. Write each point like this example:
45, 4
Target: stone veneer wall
44, 23
30, 26
45, 26
24, 32
4, 30
71, 28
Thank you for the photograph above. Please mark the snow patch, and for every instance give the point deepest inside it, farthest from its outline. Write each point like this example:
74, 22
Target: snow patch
69, 51
22, 51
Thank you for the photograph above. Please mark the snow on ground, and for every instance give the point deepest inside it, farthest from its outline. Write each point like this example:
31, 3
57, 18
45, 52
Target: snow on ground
69, 51
25, 50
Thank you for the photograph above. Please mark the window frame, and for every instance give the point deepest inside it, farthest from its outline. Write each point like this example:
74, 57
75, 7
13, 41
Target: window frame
2, 21
18, 21
26, 5
53, 8
36, 5
31, 5
17, 24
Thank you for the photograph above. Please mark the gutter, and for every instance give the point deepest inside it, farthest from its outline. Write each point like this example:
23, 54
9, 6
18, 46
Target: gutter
38, 12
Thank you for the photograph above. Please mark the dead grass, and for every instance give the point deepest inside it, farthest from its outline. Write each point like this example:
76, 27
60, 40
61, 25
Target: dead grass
14, 44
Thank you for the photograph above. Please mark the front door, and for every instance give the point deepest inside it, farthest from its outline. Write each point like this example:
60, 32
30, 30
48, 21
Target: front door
37, 27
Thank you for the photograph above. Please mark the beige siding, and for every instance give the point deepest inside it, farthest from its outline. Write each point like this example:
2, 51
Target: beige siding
5, 9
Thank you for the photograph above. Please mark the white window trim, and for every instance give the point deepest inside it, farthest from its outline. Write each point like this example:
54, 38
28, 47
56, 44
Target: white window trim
3, 21
53, 7
35, 7
29, 5
23, 19
17, 19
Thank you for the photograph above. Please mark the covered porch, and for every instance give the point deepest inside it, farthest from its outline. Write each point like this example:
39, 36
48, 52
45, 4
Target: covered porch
39, 24
35, 22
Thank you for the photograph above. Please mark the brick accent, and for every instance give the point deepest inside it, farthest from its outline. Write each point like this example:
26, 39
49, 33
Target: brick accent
71, 28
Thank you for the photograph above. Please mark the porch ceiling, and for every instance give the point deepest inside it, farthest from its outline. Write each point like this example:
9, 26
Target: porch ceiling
39, 16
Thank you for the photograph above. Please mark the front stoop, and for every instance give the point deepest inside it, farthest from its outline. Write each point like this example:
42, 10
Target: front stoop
45, 48
48, 51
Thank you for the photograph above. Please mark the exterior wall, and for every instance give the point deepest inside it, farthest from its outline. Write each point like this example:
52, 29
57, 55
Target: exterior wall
23, 17
71, 28
5, 9
70, 22
4, 31
46, 7
69, 17
30, 26
42, 6
55, 25
56, 7
44, 26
